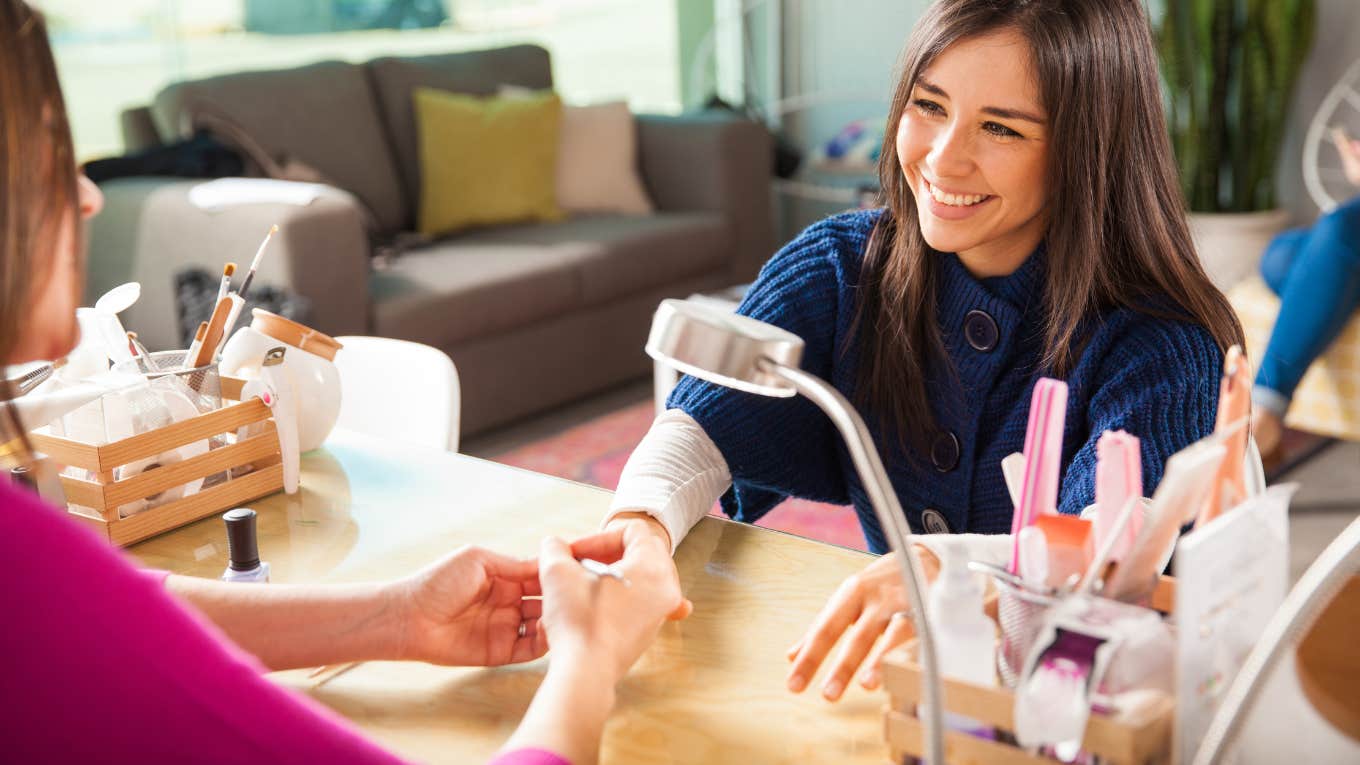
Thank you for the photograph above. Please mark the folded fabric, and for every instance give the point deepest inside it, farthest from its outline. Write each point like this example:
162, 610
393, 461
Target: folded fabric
486, 161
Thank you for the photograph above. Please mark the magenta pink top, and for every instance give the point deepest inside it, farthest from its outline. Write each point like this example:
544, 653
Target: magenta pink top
102, 665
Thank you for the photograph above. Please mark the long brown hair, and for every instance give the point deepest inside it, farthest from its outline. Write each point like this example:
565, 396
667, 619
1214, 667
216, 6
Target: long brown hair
1120, 238
37, 174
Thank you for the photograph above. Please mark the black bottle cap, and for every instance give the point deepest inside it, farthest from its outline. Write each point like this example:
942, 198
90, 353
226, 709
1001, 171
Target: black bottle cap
241, 543
23, 476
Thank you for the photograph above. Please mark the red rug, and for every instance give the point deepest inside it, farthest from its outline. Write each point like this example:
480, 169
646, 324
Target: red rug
596, 451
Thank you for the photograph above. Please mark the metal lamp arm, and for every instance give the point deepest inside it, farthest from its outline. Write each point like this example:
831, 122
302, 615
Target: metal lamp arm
894, 522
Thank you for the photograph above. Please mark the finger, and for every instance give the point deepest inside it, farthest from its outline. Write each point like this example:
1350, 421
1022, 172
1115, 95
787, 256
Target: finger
836, 616
681, 611
533, 645
857, 645
794, 649
900, 630
605, 547
530, 609
553, 552
532, 587
505, 567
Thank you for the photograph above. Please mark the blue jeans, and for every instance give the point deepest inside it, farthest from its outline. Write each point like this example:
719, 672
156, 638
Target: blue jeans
1316, 273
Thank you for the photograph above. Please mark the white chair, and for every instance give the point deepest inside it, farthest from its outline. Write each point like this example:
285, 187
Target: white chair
399, 390
1322, 171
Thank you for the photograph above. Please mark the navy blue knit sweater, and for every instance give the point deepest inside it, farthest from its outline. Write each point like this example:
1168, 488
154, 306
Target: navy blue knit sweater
1153, 377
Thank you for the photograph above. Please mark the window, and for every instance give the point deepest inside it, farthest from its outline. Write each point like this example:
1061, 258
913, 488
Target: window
112, 56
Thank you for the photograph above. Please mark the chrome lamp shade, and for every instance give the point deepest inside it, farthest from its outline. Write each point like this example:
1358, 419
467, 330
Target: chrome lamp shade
739, 352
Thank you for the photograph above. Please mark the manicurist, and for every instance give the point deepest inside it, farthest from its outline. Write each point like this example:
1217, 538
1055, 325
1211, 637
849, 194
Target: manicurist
1031, 225
106, 663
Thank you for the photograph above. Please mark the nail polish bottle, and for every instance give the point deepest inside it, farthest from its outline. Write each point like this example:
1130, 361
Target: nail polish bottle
245, 564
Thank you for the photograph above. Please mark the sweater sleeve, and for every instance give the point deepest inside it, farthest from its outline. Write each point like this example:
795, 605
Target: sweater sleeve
778, 447
1159, 383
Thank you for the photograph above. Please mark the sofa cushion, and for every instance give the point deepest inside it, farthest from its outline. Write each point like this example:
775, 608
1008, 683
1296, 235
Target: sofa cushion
498, 279
479, 73
486, 161
324, 115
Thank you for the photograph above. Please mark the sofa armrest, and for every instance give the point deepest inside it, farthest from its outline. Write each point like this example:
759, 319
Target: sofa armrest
139, 131
714, 162
149, 231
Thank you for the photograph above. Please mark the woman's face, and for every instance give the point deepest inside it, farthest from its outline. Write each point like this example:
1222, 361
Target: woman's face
51, 331
973, 147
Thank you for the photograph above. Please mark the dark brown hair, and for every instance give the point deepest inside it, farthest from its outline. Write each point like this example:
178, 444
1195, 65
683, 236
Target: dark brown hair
37, 171
1121, 238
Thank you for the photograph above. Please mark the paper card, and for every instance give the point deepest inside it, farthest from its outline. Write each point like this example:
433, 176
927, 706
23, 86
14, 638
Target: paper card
1231, 576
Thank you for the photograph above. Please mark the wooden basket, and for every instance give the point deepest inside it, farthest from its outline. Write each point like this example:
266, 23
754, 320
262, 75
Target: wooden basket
105, 495
1128, 739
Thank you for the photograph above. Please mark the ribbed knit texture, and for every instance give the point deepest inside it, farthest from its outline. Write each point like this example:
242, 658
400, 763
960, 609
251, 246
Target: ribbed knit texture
1153, 377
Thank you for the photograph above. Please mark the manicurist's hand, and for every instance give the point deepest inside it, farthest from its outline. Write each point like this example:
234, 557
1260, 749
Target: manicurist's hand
871, 611
633, 533
468, 608
601, 620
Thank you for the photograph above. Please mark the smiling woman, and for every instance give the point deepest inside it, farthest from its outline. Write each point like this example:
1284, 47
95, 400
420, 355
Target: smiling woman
1031, 226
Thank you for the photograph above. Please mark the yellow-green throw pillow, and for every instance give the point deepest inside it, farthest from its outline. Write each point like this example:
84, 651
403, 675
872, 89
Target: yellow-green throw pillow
486, 160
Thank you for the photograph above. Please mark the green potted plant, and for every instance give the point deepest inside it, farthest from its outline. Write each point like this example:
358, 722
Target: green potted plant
1229, 68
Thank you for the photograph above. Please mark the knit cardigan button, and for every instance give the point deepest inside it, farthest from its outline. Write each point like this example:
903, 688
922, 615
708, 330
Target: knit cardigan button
944, 452
980, 330
933, 521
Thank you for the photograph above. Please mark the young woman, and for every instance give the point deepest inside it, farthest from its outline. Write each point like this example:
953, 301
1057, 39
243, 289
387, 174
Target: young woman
105, 663
1316, 273
1031, 226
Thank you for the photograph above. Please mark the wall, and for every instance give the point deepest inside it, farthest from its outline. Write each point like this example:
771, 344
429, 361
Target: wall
1336, 46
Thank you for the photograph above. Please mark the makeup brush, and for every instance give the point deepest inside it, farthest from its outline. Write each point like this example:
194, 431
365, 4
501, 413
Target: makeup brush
192, 353
227, 271
254, 264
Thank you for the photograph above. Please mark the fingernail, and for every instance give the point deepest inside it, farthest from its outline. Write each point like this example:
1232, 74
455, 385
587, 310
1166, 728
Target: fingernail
797, 683
869, 679
832, 690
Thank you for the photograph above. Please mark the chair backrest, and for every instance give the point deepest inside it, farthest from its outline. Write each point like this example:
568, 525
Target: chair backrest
1322, 170
399, 390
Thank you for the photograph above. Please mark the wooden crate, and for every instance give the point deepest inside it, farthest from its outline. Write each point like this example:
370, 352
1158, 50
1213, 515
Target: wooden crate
105, 495
1129, 739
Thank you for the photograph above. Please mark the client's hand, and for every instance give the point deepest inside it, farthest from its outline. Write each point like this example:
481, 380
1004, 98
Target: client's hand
466, 610
601, 622
867, 606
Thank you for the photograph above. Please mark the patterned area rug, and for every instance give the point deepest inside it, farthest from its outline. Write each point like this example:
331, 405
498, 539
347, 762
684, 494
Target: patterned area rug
595, 453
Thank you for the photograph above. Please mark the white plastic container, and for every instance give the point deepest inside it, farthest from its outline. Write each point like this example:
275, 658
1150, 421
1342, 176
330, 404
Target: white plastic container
964, 637
309, 361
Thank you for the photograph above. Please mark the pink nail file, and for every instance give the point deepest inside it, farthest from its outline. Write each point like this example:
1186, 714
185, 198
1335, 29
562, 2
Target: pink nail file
1119, 476
1043, 459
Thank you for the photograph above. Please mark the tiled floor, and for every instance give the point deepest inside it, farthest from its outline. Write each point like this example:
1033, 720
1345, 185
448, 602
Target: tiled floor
1328, 499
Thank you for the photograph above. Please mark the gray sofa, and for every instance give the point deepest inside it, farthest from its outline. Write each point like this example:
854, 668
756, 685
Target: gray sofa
533, 315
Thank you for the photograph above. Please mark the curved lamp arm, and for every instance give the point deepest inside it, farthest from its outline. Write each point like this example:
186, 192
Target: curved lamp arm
894, 522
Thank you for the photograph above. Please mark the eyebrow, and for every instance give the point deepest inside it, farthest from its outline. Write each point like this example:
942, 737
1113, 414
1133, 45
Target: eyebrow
995, 111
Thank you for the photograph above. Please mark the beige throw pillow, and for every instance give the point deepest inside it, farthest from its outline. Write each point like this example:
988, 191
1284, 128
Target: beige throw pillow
597, 162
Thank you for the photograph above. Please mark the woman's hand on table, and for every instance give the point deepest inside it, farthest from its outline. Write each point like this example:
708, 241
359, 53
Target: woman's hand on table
871, 610
467, 610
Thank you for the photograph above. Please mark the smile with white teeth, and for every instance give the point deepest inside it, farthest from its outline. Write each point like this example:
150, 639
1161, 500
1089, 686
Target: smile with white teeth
955, 200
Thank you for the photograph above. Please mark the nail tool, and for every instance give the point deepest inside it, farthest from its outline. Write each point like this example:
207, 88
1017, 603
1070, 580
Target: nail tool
255, 263
222, 288
1043, 453
1119, 476
1234, 407
603, 570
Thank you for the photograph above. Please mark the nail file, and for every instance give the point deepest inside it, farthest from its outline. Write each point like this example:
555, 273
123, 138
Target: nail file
1189, 475
1043, 456
1013, 470
1119, 476
1234, 406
